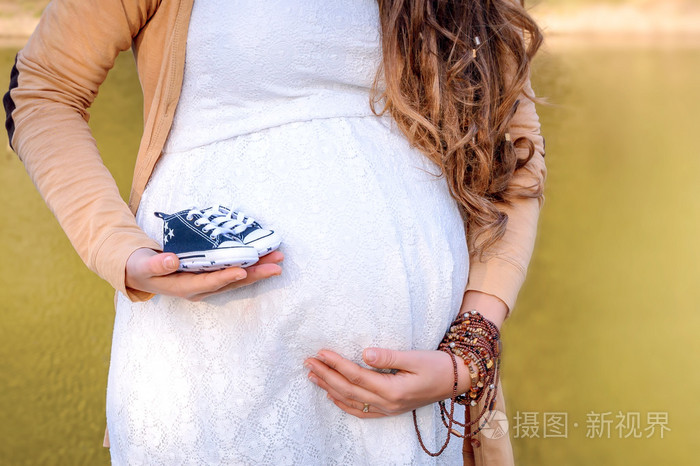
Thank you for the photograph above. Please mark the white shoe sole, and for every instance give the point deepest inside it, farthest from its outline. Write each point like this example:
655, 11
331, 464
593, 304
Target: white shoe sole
217, 259
266, 244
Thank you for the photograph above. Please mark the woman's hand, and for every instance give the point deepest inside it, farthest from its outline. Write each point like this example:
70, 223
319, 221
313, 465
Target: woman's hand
421, 378
153, 272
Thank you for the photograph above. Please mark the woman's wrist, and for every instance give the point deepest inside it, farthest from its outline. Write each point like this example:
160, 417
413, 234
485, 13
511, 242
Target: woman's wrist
463, 378
477, 341
493, 309
489, 306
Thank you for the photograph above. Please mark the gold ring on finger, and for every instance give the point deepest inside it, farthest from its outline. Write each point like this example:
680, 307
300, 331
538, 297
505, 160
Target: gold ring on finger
365, 409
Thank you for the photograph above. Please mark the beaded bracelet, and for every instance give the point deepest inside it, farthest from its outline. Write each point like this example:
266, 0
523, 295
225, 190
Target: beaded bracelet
476, 340
450, 415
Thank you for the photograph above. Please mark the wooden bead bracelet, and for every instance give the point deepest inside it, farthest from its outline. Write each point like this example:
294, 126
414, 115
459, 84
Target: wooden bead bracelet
477, 341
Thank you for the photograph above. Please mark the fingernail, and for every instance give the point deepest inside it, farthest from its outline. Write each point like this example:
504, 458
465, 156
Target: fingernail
370, 355
307, 365
170, 263
321, 358
240, 276
313, 378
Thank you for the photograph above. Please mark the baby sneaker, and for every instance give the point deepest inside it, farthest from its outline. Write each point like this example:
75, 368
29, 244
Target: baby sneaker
249, 231
201, 243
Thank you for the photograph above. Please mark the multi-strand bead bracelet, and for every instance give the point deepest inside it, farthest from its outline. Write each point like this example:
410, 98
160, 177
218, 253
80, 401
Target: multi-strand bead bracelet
477, 341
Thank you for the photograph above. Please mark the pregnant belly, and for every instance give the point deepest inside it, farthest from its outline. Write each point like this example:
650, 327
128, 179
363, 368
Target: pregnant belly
375, 250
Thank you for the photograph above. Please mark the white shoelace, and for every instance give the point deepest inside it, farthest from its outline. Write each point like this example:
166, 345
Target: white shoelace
236, 224
218, 223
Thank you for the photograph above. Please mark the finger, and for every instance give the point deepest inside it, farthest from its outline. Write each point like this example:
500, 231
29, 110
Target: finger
355, 374
254, 274
260, 271
329, 378
162, 264
191, 285
275, 257
357, 412
333, 394
382, 358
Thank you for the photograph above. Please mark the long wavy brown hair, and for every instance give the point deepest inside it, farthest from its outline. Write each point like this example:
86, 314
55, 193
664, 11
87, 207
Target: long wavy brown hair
453, 72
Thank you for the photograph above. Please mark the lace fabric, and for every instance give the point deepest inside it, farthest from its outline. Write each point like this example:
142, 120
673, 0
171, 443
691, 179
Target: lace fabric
375, 255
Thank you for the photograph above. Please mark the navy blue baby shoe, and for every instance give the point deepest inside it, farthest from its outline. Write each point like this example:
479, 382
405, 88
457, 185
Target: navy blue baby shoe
202, 242
250, 232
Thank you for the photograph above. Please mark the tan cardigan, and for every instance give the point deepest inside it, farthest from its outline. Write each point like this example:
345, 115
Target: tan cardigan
55, 80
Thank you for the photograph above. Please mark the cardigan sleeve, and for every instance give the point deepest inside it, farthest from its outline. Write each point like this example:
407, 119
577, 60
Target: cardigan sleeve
54, 81
502, 271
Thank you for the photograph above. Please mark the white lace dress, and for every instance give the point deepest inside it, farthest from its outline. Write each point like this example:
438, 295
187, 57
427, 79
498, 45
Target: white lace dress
274, 120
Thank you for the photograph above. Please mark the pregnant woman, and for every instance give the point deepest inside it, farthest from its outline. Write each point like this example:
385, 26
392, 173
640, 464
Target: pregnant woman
387, 142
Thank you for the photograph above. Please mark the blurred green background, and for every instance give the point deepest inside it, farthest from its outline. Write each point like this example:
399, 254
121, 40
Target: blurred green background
605, 325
